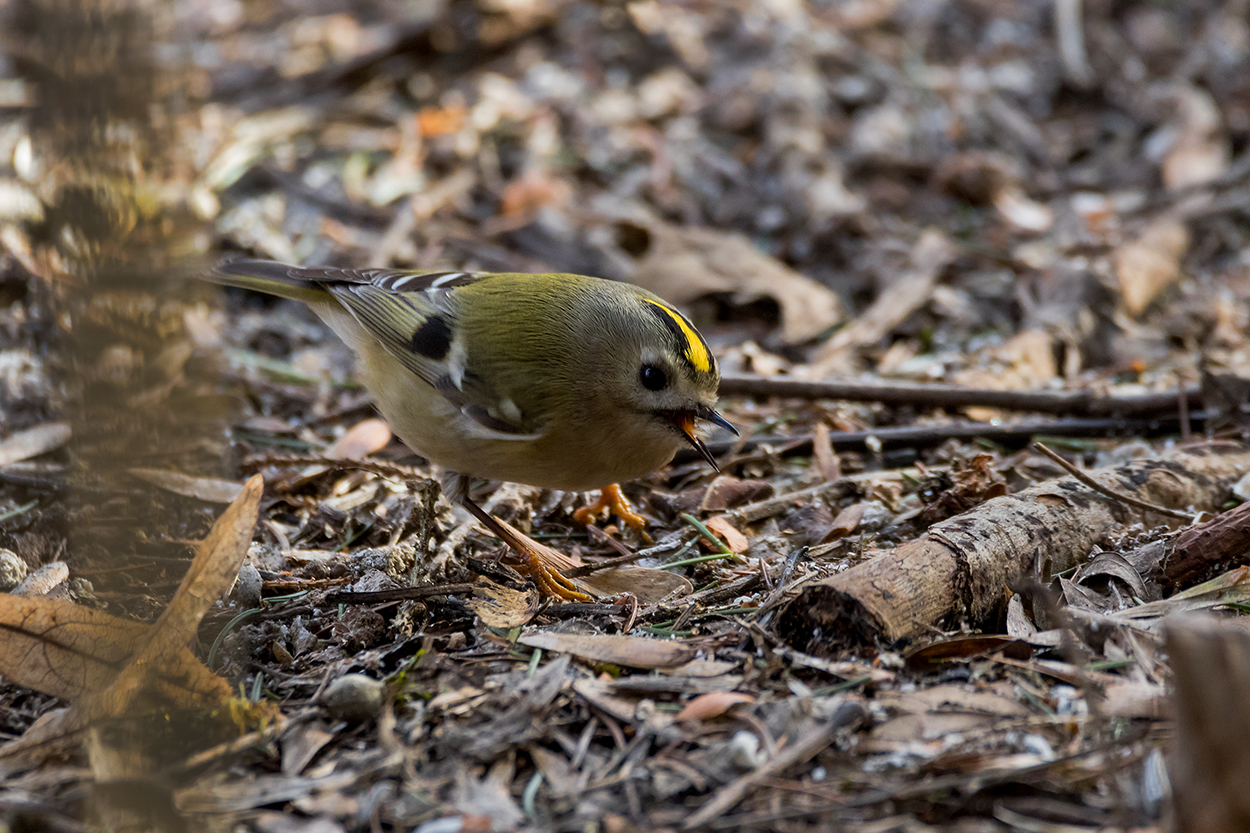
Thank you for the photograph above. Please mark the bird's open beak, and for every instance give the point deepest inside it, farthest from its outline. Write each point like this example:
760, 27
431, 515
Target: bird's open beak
684, 420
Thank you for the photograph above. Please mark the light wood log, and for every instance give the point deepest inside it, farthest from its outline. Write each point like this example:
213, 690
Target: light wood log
963, 568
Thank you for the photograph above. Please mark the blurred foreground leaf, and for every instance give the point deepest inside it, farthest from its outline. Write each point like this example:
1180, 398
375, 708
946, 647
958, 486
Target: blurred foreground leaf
114, 668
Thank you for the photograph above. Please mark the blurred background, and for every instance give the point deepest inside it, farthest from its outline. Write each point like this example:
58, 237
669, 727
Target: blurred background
769, 164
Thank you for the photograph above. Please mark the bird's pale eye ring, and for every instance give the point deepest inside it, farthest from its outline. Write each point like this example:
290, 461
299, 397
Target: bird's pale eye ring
653, 378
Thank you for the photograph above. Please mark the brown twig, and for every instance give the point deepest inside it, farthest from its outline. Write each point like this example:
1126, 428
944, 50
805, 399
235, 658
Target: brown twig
603, 537
930, 435
1111, 493
377, 467
399, 594
629, 558
633, 613
582, 609
1085, 403
1182, 403
801, 748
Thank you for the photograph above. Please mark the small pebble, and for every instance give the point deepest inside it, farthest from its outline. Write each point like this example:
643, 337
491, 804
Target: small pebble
744, 751
247, 587
12, 570
354, 698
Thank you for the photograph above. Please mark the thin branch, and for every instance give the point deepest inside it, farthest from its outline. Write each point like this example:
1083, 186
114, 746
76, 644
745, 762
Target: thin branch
936, 434
399, 594
1111, 493
666, 545
1083, 402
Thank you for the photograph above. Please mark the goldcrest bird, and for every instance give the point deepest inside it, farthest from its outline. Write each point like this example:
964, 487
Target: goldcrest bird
555, 380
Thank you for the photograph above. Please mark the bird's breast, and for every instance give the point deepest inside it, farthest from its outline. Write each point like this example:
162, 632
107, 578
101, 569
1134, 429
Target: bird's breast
575, 451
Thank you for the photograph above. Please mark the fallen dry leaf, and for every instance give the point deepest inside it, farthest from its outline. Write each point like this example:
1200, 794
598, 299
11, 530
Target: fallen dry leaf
1150, 263
904, 295
1030, 357
112, 667
647, 585
1200, 153
735, 540
702, 667
633, 651
366, 437
862, 14
969, 483
964, 646
1026, 361
1138, 699
1023, 212
531, 191
846, 521
207, 489
684, 264
212, 572
72, 651
713, 704
456, 700
362, 439
22, 445
61, 648
501, 606
600, 692
724, 492
823, 456
438, 121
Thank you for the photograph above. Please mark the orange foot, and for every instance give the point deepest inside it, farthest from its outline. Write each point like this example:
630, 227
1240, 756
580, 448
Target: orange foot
541, 563
610, 498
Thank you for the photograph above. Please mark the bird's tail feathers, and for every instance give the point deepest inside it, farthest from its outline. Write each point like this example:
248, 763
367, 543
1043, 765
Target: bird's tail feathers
270, 277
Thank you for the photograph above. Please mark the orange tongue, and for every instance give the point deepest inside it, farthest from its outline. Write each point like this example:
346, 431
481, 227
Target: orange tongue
685, 422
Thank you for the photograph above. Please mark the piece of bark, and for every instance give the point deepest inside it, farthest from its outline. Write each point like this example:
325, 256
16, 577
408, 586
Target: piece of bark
1202, 549
1210, 659
962, 569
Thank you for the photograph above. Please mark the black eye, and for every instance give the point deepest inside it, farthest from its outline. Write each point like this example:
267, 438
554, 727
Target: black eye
652, 377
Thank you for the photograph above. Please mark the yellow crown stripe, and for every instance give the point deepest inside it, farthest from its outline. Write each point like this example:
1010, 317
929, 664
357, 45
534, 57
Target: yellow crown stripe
696, 349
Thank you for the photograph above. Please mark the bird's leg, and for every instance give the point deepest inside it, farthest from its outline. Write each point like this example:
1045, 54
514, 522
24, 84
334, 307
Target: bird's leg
610, 498
541, 563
